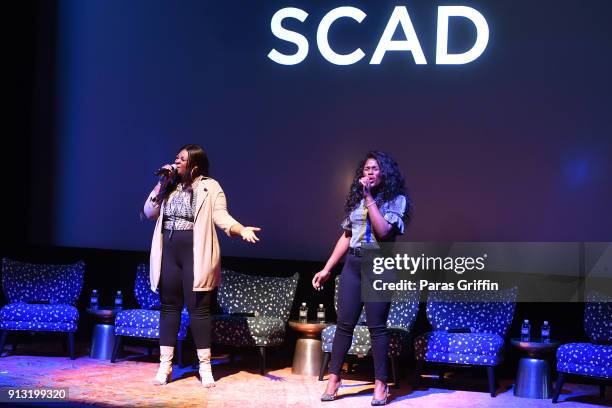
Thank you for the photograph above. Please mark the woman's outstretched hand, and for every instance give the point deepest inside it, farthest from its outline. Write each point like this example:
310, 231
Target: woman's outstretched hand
320, 278
248, 234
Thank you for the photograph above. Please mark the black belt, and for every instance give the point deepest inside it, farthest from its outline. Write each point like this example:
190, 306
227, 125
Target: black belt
356, 251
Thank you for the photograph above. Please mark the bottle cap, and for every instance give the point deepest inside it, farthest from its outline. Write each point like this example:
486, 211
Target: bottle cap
118, 292
526, 321
95, 291
321, 305
303, 303
545, 321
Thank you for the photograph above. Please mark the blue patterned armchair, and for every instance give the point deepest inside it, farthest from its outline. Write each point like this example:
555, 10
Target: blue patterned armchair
144, 322
268, 298
485, 319
41, 298
594, 359
402, 314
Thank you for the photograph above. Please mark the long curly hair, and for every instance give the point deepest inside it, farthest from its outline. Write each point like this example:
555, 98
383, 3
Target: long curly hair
392, 183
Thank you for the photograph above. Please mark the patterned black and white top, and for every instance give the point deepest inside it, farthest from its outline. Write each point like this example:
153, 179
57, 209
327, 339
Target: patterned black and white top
179, 210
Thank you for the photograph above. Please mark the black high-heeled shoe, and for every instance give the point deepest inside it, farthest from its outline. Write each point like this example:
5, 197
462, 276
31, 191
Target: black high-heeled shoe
331, 397
383, 401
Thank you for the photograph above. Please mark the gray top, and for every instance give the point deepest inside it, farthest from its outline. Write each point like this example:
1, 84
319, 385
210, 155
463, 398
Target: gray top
358, 222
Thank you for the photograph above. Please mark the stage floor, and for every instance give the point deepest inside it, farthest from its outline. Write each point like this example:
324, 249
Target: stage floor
127, 383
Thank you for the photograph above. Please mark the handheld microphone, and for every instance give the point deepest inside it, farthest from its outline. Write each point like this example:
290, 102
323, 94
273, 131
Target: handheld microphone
163, 171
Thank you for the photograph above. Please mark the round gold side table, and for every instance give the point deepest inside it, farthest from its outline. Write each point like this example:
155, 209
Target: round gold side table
308, 352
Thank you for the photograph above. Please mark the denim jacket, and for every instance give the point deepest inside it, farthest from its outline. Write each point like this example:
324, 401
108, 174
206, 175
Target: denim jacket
358, 223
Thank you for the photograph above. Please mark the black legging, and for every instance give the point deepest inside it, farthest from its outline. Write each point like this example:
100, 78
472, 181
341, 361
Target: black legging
176, 290
349, 309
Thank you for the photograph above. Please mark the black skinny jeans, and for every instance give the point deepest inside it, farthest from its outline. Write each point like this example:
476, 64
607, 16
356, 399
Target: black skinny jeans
176, 290
349, 309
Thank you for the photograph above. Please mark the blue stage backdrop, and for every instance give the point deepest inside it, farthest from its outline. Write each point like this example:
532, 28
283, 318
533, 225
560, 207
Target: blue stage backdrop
513, 146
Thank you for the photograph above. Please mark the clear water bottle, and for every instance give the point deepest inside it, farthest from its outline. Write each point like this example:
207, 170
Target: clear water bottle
118, 300
321, 313
545, 332
303, 313
93, 300
525, 331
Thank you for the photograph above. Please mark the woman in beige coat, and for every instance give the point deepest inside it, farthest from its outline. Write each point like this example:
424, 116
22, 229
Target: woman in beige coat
185, 256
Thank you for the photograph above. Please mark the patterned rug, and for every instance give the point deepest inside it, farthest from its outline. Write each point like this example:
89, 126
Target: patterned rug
127, 383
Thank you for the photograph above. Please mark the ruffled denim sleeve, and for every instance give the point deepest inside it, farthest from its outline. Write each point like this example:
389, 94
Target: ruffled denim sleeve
346, 223
394, 212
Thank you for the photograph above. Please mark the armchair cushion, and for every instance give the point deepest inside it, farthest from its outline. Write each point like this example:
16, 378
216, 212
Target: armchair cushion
241, 331
39, 317
587, 359
487, 316
459, 348
145, 323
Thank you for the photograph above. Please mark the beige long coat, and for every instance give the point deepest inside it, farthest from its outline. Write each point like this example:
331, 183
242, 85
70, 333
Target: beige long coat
210, 210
